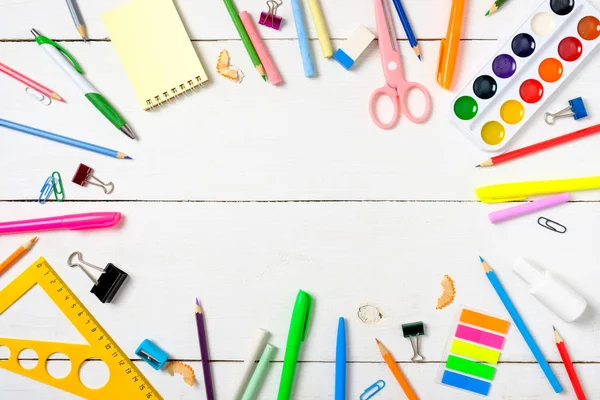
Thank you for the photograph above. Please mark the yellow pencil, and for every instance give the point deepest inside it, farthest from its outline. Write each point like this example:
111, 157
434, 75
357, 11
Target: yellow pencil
389, 360
17, 254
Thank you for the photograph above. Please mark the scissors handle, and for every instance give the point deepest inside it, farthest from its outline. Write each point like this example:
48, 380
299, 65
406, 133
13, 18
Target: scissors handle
393, 96
404, 90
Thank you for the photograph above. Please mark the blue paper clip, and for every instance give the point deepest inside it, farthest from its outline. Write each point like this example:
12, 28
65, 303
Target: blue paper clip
46, 190
372, 390
57, 188
576, 110
152, 354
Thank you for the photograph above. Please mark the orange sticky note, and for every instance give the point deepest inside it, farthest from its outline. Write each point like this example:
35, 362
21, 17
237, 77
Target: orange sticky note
484, 321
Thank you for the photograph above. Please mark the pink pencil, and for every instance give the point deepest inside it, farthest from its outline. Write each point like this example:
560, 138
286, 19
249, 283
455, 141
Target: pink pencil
30, 82
260, 48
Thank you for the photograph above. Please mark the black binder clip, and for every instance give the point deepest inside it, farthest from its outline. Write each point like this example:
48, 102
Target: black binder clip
109, 282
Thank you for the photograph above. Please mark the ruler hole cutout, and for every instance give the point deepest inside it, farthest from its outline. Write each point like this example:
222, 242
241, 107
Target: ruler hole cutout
4, 353
60, 368
28, 358
94, 374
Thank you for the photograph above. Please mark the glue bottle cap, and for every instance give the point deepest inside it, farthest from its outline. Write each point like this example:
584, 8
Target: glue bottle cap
528, 272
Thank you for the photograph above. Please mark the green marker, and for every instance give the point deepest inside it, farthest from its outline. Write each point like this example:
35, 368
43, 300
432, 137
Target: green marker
296, 335
68, 64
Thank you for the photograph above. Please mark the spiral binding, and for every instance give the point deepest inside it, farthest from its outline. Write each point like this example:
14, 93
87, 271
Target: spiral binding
175, 92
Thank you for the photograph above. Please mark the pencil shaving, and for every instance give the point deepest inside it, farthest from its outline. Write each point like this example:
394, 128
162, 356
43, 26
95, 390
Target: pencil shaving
177, 367
228, 71
448, 293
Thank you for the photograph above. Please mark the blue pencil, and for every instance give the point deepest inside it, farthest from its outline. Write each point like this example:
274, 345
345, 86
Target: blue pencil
518, 321
409, 33
340, 361
63, 139
307, 63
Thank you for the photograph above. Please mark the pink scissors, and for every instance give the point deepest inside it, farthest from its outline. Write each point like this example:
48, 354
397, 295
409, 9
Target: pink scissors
396, 88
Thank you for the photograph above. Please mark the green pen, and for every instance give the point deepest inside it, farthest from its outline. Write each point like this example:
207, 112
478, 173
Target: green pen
296, 335
68, 64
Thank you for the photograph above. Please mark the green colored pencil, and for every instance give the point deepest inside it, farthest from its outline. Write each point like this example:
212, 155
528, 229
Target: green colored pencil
495, 7
239, 26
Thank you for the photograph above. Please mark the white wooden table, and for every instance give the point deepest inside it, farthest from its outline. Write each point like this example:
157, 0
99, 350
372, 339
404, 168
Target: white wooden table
242, 194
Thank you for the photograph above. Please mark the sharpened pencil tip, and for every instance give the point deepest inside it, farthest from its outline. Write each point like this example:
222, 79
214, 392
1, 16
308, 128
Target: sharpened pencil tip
487, 13
377, 340
197, 302
554, 328
34, 239
128, 158
481, 259
477, 166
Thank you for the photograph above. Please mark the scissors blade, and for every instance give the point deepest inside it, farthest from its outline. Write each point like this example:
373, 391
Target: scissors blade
389, 25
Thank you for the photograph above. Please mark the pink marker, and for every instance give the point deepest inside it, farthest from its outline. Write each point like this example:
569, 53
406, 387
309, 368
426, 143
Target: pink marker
528, 208
260, 48
74, 222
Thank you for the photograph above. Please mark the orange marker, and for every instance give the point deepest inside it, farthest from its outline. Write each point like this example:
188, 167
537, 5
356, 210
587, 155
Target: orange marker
449, 45
17, 254
389, 360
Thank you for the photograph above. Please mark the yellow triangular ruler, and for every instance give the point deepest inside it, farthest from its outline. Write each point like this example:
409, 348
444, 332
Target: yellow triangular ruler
125, 381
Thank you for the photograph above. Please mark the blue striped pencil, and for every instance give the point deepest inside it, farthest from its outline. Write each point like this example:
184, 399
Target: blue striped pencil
63, 139
409, 33
518, 321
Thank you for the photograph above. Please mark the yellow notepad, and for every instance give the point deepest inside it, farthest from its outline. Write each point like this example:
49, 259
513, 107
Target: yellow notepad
155, 50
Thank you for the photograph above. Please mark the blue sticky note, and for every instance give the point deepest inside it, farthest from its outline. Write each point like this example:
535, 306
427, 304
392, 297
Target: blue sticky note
466, 382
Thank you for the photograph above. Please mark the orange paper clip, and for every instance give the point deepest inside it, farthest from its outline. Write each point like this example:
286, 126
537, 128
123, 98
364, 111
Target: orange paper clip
449, 45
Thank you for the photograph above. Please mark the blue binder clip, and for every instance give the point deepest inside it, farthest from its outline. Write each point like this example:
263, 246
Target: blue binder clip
576, 110
372, 390
152, 354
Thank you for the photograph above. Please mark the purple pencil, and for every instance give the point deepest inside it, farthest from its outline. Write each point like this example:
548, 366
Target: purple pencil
210, 393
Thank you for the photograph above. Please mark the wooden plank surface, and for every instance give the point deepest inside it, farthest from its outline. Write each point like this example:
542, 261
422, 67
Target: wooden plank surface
242, 194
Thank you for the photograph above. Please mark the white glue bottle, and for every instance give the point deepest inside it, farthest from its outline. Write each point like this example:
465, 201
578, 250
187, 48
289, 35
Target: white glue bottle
559, 298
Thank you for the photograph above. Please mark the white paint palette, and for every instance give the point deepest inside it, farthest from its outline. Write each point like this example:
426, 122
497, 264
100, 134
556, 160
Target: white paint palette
527, 70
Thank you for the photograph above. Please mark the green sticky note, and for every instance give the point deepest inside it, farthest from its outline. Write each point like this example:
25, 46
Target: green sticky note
474, 351
470, 367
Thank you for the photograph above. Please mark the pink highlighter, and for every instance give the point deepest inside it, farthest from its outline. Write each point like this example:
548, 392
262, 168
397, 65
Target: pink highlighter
74, 222
528, 208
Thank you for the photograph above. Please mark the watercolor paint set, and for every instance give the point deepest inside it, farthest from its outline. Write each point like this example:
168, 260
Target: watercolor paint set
473, 351
526, 71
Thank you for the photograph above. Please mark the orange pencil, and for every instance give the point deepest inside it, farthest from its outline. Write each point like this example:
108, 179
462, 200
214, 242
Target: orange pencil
17, 254
389, 360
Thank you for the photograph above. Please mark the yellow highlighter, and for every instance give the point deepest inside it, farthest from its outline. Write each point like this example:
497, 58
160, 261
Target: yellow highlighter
521, 190
322, 34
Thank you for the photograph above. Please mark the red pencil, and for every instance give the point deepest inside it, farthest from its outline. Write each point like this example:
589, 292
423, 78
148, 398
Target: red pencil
564, 355
540, 146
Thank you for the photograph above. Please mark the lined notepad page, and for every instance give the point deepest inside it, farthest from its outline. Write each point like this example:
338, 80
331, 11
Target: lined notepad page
155, 50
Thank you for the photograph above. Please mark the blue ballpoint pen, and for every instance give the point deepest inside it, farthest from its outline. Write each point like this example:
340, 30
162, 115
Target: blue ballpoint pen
340, 361
406, 25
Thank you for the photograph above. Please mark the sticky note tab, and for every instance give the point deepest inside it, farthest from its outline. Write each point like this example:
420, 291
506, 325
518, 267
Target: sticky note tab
466, 383
470, 367
484, 321
474, 351
479, 336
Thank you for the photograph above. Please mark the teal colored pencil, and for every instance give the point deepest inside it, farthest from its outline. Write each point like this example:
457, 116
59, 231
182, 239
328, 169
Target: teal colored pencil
518, 321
